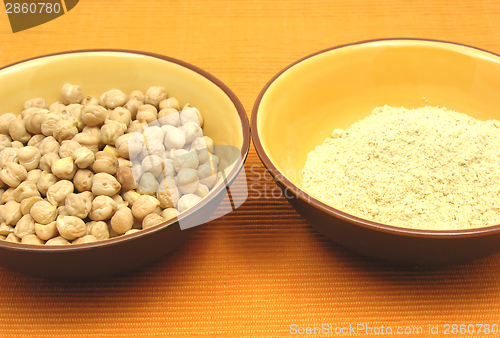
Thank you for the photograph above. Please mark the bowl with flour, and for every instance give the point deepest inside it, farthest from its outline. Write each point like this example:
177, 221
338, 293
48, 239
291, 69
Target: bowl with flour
389, 147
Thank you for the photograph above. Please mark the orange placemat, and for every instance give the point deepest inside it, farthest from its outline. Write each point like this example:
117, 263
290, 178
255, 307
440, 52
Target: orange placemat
261, 269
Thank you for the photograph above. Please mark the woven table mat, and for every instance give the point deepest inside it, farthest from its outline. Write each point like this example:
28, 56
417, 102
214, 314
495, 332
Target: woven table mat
260, 270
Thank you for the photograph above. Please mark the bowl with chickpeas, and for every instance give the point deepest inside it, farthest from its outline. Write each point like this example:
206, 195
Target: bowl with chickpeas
109, 159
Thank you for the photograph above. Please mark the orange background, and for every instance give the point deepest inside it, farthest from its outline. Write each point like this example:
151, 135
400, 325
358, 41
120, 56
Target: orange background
262, 268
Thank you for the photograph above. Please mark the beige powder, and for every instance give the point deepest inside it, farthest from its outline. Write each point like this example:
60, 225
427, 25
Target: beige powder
421, 168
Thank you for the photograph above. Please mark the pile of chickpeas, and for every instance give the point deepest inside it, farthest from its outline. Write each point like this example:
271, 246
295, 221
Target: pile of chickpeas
86, 169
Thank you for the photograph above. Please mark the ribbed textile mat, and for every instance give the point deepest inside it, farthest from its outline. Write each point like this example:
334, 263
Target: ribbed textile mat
262, 269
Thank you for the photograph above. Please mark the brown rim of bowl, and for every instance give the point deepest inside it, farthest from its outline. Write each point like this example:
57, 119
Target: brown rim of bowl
304, 196
239, 164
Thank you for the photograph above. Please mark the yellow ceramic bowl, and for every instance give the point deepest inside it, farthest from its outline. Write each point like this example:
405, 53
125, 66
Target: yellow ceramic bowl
298, 109
97, 71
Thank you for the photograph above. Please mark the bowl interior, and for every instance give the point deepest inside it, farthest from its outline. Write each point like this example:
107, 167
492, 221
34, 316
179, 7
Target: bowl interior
336, 88
97, 72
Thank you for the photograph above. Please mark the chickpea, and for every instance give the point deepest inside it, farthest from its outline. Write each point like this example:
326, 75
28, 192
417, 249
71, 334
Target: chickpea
114, 98
5, 229
132, 231
62, 211
7, 196
153, 164
64, 168
136, 125
25, 226
169, 116
192, 131
5, 142
83, 157
88, 140
89, 100
119, 201
17, 131
168, 198
43, 212
204, 143
59, 240
187, 179
105, 163
37, 102
70, 227
130, 197
122, 221
152, 220
175, 138
121, 115
105, 184
147, 184
202, 190
29, 157
112, 150
171, 102
85, 239
32, 239
49, 145
27, 203
138, 95
78, 205
68, 147
147, 113
47, 161
57, 107
144, 205
45, 181
16, 144
98, 229
187, 201
57, 193
111, 130
49, 123
125, 177
13, 174
103, 208
35, 141
187, 160
83, 180
71, 93
154, 95
8, 155
88, 194
123, 162
34, 122
207, 174
24, 190
94, 131
65, 130
191, 114
12, 238
133, 106
28, 112
46, 231
11, 212
94, 115
169, 214
121, 145
34, 175
5, 120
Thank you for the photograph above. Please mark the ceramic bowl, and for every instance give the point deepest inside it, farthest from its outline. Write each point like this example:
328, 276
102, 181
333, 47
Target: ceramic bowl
97, 71
301, 105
